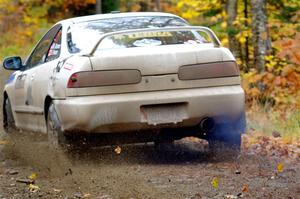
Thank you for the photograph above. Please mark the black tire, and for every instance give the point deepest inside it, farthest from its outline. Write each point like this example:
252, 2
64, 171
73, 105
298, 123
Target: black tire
56, 137
164, 144
8, 118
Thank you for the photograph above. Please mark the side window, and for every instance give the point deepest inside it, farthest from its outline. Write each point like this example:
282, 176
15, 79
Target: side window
54, 50
40, 53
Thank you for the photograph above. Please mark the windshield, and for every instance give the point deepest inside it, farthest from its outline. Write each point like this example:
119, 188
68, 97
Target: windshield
85, 35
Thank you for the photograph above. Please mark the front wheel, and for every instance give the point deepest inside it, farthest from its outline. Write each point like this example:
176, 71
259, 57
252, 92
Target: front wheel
8, 118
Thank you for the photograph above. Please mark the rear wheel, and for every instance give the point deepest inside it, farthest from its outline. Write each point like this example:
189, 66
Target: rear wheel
8, 118
56, 137
164, 144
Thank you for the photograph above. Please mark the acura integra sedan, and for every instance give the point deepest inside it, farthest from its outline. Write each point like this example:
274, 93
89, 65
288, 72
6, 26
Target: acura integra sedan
136, 76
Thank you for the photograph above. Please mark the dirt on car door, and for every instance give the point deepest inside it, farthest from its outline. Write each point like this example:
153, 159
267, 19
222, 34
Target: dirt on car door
23, 99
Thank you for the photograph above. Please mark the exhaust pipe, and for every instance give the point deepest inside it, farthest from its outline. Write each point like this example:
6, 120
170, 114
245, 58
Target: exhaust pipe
207, 124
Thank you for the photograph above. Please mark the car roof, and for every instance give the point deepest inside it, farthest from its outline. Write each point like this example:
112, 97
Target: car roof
115, 15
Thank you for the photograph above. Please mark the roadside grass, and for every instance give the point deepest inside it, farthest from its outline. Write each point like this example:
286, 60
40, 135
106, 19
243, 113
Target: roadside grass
274, 122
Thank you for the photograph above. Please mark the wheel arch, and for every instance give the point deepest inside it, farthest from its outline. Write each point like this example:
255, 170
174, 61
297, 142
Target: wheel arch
5, 96
47, 103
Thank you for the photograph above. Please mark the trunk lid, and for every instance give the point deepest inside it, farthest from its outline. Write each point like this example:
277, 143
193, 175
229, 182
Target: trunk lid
158, 67
155, 60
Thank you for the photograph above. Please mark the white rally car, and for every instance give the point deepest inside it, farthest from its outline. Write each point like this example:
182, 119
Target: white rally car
138, 76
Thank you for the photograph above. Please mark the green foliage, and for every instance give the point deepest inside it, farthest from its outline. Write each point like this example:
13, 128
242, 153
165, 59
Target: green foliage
109, 5
232, 32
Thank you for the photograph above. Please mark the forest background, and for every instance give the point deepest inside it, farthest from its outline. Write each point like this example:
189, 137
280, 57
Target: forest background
264, 36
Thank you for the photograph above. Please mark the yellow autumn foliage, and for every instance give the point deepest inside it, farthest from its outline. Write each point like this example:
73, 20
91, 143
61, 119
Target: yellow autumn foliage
278, 84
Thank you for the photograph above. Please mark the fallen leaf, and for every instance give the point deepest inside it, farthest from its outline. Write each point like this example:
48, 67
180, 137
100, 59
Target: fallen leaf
245, 189
280, 167
215, 182
118, 150
33, 188
33, 176
276, 134
87, 195
3, 142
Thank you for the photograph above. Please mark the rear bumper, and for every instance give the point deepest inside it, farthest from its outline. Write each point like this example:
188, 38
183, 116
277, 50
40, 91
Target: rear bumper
122, 112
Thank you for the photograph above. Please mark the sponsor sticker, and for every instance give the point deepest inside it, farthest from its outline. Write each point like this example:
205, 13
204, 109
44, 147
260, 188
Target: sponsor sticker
68, 66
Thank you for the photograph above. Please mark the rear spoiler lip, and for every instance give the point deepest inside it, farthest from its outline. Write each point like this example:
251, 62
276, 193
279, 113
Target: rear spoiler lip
211, 34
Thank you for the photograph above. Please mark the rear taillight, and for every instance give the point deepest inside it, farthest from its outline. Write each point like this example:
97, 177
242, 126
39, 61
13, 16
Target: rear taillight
104, 78
72, 80
209, 70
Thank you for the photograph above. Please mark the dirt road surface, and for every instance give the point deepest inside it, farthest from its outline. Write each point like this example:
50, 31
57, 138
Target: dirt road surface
137, 171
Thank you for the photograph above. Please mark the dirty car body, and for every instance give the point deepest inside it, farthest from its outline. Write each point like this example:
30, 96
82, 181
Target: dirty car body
122, 73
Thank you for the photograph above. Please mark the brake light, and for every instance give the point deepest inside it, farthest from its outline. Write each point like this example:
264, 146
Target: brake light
104, 78
209, 70
72, 80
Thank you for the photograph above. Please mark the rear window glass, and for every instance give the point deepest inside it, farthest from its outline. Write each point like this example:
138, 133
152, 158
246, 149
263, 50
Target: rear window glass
153, 38
85, 34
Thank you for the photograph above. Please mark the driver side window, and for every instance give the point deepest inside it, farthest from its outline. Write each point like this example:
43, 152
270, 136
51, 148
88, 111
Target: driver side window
42, 50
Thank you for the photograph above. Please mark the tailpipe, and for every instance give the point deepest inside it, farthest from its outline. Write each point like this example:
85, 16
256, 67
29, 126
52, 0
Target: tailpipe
207, 124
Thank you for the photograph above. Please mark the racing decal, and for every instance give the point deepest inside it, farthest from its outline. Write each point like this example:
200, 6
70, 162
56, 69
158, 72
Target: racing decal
11, 78
68, 66
60, 65
139, 35
20, 82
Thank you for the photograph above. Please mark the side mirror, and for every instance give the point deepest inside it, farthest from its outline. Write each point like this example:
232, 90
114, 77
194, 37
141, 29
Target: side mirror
13, 63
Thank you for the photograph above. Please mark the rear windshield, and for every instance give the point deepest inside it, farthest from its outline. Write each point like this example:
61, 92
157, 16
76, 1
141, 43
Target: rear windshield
153, 38
85, 35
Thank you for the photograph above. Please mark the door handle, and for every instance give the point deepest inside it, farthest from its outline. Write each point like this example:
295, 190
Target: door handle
20, 77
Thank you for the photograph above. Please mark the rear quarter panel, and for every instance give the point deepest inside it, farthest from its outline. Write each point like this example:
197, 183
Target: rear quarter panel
71, 65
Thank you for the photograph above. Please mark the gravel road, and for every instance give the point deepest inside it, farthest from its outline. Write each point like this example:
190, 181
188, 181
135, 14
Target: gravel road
137, 171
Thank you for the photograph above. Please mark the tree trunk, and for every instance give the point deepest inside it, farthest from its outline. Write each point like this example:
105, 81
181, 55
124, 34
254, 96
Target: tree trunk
157, 5
260, 33
246, 65
231, 9
98, 6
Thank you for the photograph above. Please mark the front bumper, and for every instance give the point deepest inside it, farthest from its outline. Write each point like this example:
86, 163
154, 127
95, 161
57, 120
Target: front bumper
122, 112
